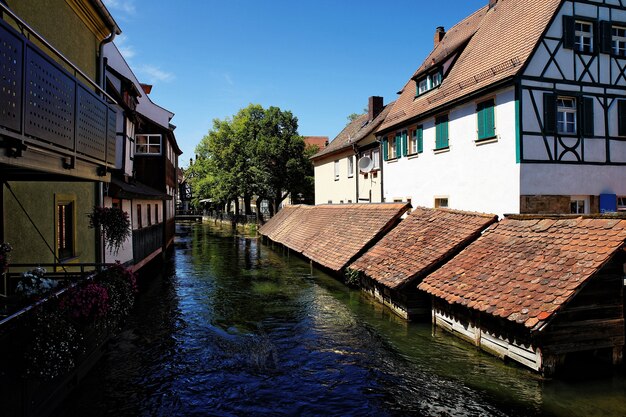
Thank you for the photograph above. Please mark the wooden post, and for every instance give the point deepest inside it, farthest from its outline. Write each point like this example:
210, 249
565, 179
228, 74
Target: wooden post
618, 355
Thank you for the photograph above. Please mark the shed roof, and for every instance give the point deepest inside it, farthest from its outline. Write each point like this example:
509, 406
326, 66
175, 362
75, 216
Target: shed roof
332, 235
420, 243
525, 269
501, 39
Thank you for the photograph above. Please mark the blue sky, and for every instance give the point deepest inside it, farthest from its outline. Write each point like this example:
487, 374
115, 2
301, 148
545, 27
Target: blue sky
320, 59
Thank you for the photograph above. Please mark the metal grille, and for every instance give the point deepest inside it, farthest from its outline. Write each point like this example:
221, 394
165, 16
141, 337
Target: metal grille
11, 50
111, 136
91, 125
50, 107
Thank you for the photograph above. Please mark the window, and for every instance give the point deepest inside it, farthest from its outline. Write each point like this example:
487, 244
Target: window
65, 229
618, 40
621, 117
156, 213
376, 158
441, 202
583, 36
441, 132
428, 82
148, 144
350, 166
566, 115
139, 226
621, 203
149, 214
393, 147
577, 206
417, 141
336, 170
486, 119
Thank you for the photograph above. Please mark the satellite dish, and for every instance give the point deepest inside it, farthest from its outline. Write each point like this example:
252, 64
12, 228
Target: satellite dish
366, 164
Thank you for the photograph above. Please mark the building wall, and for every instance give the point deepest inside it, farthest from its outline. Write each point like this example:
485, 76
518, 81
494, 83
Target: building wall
38, 198
327, 189
482, 177
369, 184
60, 25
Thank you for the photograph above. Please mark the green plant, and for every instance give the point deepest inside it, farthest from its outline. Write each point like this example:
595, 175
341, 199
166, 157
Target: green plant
33, 284
114, 223
352, 278
121, 286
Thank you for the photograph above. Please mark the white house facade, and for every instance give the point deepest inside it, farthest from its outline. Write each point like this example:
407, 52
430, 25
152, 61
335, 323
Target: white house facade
515, 112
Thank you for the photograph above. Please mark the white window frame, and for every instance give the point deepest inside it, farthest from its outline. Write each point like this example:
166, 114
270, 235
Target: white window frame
350, 166
149, 145
618, 40
621, 203
566, 109
412, 141
393, 147
423, 86
579, 204
337, 170
376, 158
583, 36
441, 202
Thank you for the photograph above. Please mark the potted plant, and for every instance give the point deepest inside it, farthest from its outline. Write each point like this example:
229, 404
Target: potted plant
114, 223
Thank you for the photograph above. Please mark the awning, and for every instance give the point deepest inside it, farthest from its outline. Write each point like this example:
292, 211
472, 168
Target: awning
129, 190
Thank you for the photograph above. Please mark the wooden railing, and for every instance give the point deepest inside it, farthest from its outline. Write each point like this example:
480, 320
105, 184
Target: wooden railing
146, 241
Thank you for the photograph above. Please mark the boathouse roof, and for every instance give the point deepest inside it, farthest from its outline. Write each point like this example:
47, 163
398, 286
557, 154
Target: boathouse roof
525, 269
332, 235
485, 49
420, 243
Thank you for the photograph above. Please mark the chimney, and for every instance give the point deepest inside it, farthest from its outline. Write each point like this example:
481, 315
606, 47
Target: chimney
439, 34
375, 106
492, 3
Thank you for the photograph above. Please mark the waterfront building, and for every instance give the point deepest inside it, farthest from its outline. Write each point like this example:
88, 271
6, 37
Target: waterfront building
537, 290
57, 128
145, 179
349, 169
519, 108
421, 243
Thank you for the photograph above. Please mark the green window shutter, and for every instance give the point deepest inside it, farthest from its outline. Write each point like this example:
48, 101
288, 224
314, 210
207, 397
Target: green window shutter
405, 147
385, 146
486, 121
398, 146
549, 113
606, 37
621, 117
587, 116
569, 28
420, 139
441, 132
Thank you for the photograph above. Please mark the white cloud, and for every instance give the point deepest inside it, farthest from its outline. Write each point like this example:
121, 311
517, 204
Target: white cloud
126, 7
153, 74
229, 79
127, 51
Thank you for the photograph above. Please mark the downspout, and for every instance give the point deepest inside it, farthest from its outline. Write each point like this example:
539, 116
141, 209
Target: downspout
355, 148
380, 164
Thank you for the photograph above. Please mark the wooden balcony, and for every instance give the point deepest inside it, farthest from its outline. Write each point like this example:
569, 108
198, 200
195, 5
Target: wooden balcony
147, 240
50, 120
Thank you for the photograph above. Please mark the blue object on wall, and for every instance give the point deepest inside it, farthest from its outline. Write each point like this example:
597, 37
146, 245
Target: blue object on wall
608, 203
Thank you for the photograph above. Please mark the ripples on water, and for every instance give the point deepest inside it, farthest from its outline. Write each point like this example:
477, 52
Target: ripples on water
237, 328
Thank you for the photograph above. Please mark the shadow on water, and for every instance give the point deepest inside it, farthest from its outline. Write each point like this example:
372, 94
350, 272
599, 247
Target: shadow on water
234, 327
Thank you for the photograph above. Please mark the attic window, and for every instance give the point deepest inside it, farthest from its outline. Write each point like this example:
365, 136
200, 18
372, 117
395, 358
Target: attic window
428, 82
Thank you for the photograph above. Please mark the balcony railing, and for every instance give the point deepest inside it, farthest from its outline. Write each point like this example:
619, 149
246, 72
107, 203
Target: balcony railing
146, 241
44, 105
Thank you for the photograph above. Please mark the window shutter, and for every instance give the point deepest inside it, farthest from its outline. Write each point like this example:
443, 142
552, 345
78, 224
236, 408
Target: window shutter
486, 125
569, 27
587, 116
606, 37
385, 146
420, 138
405, 147
398, 146
549, 113
621, 117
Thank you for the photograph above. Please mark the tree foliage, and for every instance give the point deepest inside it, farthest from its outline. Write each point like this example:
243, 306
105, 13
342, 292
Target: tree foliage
257, 153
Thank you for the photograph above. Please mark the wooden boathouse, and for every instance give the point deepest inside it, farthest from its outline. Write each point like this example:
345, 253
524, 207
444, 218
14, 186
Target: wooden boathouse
330, 235
537, 290
421, 243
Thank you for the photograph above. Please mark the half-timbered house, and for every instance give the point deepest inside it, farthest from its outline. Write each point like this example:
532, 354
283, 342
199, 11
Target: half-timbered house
519, 108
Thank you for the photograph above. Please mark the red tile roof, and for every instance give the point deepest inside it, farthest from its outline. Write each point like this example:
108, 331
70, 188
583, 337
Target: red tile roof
332, 235
501, 39
524, 269
319, 141
420, 243
356, 130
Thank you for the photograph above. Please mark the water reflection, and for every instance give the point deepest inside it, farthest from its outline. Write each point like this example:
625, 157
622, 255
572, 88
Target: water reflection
237, 328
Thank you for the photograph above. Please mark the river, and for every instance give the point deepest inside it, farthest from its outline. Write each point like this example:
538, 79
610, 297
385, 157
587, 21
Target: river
238, 328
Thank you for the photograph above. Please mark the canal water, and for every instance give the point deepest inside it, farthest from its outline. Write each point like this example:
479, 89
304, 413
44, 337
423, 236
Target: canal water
238, 328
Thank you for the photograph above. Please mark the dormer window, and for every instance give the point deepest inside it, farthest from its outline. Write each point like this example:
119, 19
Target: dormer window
428, 82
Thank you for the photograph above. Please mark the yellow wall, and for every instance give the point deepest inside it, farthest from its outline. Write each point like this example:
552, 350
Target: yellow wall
38, 198
62, 27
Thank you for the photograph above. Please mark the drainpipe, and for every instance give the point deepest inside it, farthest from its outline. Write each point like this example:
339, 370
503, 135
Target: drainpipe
100, 68
380, 164
355, 148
